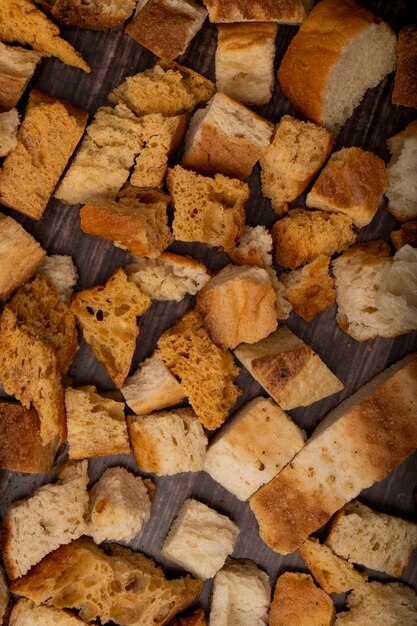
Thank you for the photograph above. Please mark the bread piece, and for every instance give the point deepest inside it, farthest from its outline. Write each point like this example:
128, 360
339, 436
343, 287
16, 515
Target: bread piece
391, 604
406, 235
289, 12
166, 88
200, 539
197, 618
181, 20
297, 152
26, 613
4, 599
310, 290
241, 595
152, 387
354, 51
288, 369
254, 247
92, 14
107, 315
254, 445
359, 442
22, 21
120, 585
96, 424
9, 123
333, 574
20, 256
245, 61
405, 84
402, 174
302, 236
282, 306
17, 66
52, 516
209, 210
62, 273
119, 506
298, 602
225, 137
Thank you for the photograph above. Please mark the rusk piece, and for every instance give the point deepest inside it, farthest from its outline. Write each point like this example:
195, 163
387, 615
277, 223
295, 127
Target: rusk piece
402, 174
9, 124
225, 137
298, 602
63, 275
355, 50
289, 12
288, 369
48, 135
197, 618
391, 604
359, 442
406, 235
17, 66
120, 585
254, 445
4, 599
254, 247
92, 14
405, 84
26, 613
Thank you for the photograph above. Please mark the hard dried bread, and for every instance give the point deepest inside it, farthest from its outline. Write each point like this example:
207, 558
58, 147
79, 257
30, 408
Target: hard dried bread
254, 247
17, 66
9, 123
4, 599
197, 618
26, 613
358, 443
298, 602
61, 271
92, 14
405, 84
406, 235
288, 12
355, 50
288, 369
402, 174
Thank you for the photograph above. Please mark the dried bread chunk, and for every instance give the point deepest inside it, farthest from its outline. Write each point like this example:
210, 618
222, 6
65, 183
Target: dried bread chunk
9, 123
62, 273
288, 369
197, 618
107, 316
296, 153
405, 84
254, 247
52, 516
17, 66
290, 12
200, 539
297, 601
402, 174
206, 372
182, 19
120, 585
22, 21
26, 613
225, 137
355, 50
92, 14
96, 425
358, 443
282, 305
4, 599
166, 88
406, 235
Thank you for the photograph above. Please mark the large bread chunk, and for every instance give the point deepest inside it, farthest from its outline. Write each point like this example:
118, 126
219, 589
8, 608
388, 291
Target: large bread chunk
297, 601
26, 613
359, 442
92, 14
289, 12
402, 174
17, 66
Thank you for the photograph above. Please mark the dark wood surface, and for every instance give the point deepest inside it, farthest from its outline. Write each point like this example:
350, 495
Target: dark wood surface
112, 56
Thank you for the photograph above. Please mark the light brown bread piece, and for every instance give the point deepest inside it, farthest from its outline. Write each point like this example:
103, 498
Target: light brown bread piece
26, 613
402, 174
107, 316
62, 273
405, 84
302, 236
406, 235
92, 14
298, 602
17, 66
355, 50
206, 372
288, 369
358, 443
254, 247
123, 586
226, 137
9, 124
197, 618
49, 133
287, 12
4, 599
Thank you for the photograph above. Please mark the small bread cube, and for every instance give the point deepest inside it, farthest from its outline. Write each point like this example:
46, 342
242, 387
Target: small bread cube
9, 124
253, 248
297, 600
405, 84
17, 66
26, 613
200, 539
390, 604
62, 273
292, 12
406, 235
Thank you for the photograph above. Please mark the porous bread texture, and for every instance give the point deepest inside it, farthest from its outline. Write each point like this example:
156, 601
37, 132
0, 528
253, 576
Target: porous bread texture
310, 289
254, 247
168, 442
20, 256
96, 425
206, 372
297, 601
406, 235
61, 271
17, 66
296, 153
22, 21
120, 585
4, 597
197, 618
152, 387
169, 277
92, 14
200, 539
355, 50
54, 515
47, 137
181, 19
405, 83
107, 316
302, 236
376, 293
26, 613
358, 443
402, 174
288, 369
119, 506
166, 88
9, 123
392, 604
225, 137
238, 305
376, 540
245, 61
208, 210
288, 12
241, 595
333, 574
254, 445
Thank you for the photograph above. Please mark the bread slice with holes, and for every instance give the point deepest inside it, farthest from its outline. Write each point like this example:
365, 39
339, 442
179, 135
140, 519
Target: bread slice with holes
402, 174
26, 613
405, 84
297, 600
92, 14
290, 12
17, 66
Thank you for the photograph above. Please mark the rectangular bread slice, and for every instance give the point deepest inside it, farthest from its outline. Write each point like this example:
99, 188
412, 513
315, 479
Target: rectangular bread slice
17, 66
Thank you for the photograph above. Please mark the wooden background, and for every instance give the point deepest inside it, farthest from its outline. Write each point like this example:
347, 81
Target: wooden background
112, 56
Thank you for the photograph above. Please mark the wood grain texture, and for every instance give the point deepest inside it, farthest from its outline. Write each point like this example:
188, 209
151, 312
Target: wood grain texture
112, 56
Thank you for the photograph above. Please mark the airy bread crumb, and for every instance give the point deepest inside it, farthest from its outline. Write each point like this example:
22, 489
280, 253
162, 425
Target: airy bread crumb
402, 174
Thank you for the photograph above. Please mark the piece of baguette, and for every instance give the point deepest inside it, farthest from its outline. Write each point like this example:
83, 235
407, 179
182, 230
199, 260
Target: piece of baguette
91, 14
62, 273
298, 602
17, 66
402, 174
26, 613
9, 124
405, 84
289, 12
406, 235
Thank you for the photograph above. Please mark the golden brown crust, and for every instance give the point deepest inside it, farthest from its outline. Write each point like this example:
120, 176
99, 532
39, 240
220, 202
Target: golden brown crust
407, 235
283, 11
279, 369
405, 84
311, 289
298, 602
195, 619
74, 13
